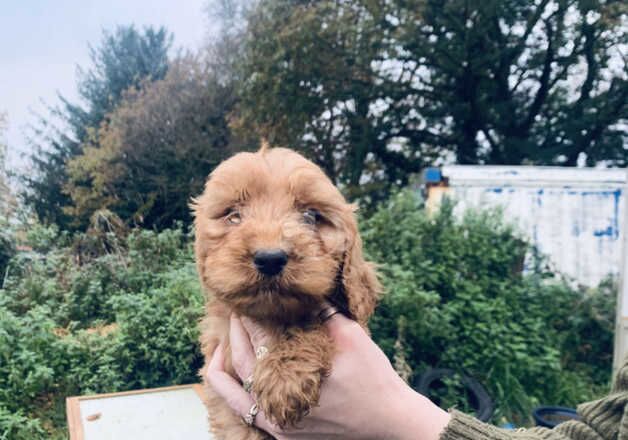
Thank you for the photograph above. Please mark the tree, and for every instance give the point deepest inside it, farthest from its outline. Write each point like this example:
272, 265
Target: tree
312, 86
5, 193
7, 203
527, 82
375, 91
156, 149
124, 58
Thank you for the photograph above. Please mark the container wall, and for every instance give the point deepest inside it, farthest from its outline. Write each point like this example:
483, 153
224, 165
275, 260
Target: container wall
575, 217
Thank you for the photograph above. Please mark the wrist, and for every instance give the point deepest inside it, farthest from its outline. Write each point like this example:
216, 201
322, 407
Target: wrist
417, 418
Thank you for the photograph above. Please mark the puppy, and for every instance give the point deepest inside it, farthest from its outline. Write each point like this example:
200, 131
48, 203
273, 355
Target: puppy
274, 240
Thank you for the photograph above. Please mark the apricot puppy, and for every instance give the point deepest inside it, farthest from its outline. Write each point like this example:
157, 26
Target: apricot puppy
274, 240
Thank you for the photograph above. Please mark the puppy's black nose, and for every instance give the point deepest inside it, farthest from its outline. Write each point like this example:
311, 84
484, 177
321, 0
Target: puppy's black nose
270, 261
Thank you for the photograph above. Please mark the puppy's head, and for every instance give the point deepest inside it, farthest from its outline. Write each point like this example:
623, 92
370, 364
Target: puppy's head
274, 238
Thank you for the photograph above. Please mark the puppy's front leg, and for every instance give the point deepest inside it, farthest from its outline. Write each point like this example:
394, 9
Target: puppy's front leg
287, 381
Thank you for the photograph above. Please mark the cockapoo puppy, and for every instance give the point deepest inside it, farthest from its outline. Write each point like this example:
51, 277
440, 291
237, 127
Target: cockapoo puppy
274, 240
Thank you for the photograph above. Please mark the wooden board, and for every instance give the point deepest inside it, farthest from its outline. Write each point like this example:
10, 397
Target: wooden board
169, 413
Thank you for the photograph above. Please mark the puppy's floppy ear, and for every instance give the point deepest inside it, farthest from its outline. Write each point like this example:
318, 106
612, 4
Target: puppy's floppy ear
360, 288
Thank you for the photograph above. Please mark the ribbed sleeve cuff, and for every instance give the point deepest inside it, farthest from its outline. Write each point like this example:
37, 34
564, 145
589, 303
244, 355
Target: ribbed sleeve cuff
464, 427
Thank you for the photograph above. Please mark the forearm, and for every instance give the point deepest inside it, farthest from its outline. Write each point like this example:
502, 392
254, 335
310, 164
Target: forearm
415, 417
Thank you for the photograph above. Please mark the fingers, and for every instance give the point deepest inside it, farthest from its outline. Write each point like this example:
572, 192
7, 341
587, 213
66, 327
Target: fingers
256, 333
243, 356
231, 391
225, 385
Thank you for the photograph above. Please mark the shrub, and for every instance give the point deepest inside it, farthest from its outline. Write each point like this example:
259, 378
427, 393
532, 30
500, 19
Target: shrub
97, 312
16, 426
457, 298
75, 324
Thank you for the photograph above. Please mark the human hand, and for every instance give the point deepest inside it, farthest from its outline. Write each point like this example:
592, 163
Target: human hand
363, 398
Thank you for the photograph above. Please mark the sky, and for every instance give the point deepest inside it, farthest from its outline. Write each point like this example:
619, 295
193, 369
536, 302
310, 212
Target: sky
42, 42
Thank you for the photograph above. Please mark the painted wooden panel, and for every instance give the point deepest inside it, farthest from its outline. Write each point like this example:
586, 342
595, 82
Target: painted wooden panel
171, 413
574, 216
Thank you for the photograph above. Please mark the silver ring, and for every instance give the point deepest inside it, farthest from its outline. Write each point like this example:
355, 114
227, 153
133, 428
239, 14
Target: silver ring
327, 313
249, 418
261, 352
248, 384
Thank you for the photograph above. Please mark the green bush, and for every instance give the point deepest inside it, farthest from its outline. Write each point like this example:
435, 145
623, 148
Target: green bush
104, 312
16, 426
457, 298
73, 323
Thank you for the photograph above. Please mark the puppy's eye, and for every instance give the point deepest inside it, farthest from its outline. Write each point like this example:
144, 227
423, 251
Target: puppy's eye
233, 217
311, 216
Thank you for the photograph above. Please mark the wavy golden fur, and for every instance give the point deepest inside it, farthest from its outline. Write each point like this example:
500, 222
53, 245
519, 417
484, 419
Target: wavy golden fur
257, 201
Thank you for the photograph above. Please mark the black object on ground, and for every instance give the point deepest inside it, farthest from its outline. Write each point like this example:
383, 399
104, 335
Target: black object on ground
550, 416
479, 399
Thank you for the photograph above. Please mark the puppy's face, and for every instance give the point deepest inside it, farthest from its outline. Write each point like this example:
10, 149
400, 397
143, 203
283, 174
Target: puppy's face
273, 236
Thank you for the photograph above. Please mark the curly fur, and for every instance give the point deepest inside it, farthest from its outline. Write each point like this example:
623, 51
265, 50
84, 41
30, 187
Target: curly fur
271, 189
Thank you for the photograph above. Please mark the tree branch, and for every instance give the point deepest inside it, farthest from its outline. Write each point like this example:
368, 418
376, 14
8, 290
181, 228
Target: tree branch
544, 83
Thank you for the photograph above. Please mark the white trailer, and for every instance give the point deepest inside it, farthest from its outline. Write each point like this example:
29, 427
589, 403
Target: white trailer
575, 216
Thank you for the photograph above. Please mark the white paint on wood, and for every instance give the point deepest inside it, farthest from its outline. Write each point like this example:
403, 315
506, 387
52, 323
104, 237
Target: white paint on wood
534, 176
155, 415
574, 216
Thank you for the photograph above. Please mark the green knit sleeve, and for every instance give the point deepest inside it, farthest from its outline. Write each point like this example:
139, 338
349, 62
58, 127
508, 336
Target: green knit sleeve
465, 427
603, 419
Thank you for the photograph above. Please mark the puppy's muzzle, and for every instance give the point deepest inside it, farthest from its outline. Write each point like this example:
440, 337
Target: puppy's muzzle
270, 262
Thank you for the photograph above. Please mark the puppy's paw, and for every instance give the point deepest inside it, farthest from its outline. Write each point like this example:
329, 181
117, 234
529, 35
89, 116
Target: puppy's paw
287, 381
286, 390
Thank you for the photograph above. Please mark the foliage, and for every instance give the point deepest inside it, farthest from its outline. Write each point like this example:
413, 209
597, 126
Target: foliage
103, 311
6, 248
457, 299
7, 201
6, 239
311, 85
16, 426
374, 91
123, 59
74, 324
156, 149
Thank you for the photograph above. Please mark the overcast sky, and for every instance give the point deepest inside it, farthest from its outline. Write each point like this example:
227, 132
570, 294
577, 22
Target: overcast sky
42, 42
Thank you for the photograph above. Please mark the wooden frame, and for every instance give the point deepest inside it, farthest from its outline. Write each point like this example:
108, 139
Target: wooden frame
620, 349
73, 405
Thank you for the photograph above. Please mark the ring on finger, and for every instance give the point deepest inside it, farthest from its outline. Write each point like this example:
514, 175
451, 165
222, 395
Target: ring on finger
327, 313
249, 418
261, 352
248, 384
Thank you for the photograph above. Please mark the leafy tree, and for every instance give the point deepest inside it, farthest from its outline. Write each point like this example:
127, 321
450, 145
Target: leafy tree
527, 82
124, 58
6, 205
6, 199
225, 44
156, 149
375, 91
311, 85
